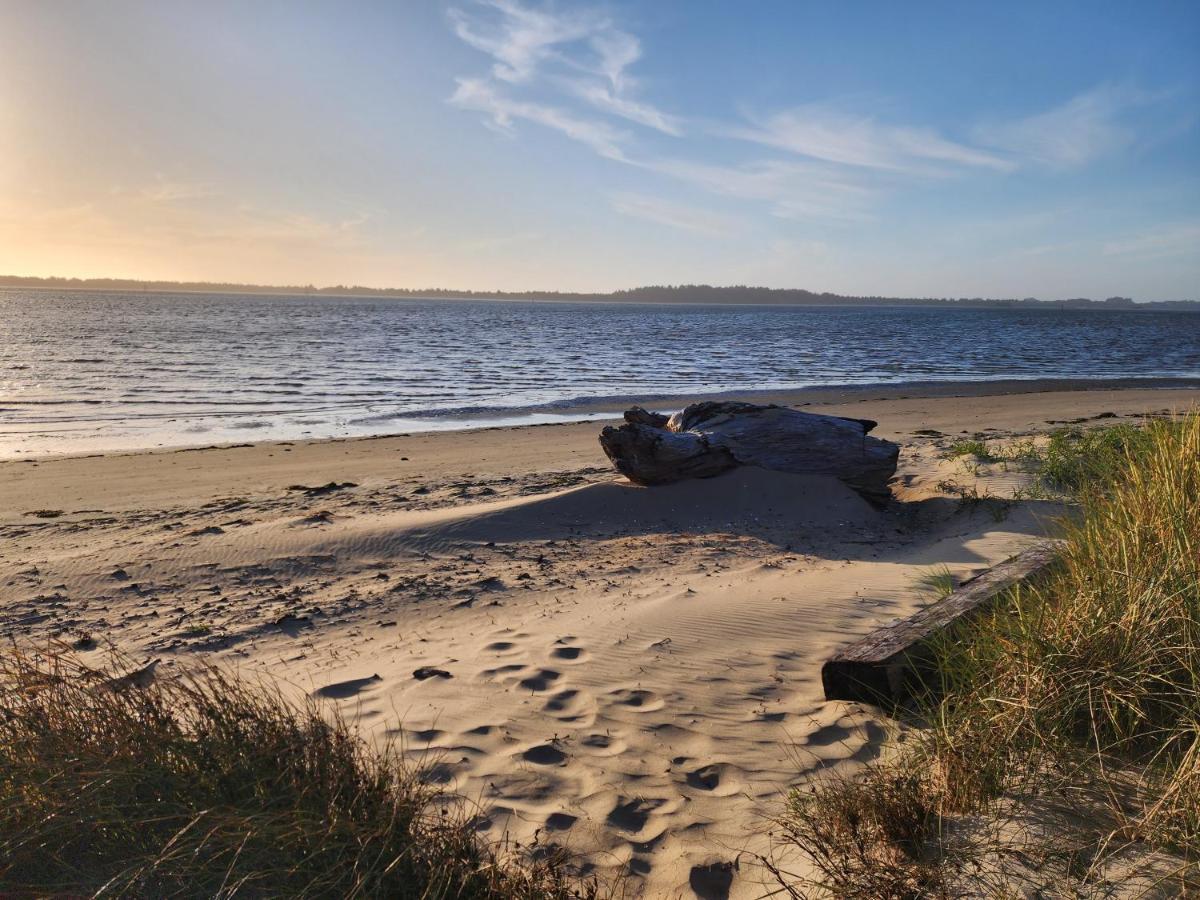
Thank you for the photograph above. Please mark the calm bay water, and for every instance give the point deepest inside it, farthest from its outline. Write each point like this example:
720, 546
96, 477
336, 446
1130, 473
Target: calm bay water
87, 372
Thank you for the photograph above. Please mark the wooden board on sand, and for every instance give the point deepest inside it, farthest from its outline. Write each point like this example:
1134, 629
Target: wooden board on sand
879, 667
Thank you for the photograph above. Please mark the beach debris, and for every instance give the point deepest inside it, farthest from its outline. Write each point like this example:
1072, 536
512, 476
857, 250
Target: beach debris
709, 438
321, 517
84, 641
425, 672
291, 621
140, 678
322, 489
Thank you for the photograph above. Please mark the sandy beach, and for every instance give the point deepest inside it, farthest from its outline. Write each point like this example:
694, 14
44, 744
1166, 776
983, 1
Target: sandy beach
630, 673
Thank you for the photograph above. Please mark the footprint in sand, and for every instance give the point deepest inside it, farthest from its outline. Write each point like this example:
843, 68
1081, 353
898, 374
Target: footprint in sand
569, 654
424, 736
637, 699
443, 774
632, 814
829, 734
872, 744
712, 881
603, 745
571, 705
559, 821
499, 647
341, 690
867, 742
502, 671
540, 680
718, 779
545, 755
706, 778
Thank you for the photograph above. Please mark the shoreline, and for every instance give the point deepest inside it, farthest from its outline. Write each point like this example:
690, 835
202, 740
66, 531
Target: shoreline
599, 410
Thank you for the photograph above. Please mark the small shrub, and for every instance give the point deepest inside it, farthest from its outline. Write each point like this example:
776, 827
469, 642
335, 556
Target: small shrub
880, 836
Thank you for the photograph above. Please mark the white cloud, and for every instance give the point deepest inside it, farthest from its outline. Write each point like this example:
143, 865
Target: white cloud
481, 96
793, 189
582, 51
823, 133
1072, 135
618, 50
522, 38
599, 96
674, 215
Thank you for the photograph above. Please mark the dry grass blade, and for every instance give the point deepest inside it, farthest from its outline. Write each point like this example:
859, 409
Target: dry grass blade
205, 786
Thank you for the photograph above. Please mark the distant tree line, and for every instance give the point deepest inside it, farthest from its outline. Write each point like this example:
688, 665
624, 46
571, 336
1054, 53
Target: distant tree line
666, 293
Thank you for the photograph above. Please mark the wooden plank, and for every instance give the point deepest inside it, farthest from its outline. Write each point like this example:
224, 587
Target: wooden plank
878, 668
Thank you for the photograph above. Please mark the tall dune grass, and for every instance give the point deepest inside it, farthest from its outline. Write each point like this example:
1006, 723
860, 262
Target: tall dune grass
1081, 691
205, 786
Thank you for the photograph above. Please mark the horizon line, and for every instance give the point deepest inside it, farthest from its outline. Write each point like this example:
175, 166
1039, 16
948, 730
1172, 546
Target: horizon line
618, 295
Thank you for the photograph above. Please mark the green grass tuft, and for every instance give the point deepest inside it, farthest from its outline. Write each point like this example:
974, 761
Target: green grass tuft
979, 450
1078, 459
939, 580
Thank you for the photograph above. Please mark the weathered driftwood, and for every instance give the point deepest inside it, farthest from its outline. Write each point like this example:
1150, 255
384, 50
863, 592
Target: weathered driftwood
882, 667
708, 438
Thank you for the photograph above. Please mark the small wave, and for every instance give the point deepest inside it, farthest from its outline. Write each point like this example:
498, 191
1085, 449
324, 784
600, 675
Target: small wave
56, 402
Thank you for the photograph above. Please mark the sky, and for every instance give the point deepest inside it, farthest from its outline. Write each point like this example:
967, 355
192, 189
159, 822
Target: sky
923, 149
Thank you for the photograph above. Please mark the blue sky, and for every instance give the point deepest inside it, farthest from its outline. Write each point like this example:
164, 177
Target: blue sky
1047, 149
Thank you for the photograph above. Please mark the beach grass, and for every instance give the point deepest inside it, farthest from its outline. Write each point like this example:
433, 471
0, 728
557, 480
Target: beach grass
1060, 739
204, 785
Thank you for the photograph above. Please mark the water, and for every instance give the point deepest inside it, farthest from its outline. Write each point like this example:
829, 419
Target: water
85, 372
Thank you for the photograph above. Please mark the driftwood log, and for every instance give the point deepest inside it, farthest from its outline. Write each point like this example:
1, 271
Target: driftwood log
883, 667
706, 439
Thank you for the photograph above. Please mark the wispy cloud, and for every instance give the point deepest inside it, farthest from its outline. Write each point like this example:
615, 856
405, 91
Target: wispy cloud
675, 215
482, 96
794, 189
577, 51
821, 132
604, 99
1083, 129
519, 38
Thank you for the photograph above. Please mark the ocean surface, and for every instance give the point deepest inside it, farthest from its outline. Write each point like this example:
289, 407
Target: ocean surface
91, 372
